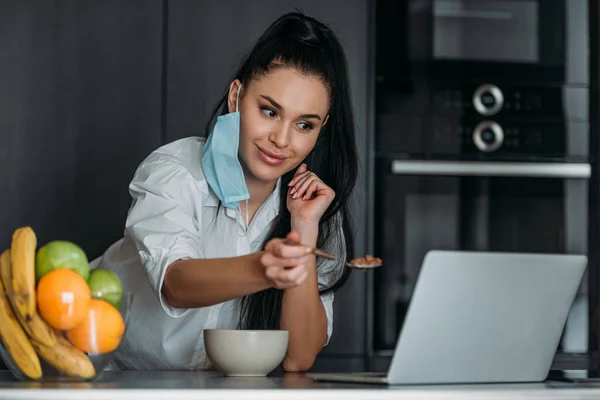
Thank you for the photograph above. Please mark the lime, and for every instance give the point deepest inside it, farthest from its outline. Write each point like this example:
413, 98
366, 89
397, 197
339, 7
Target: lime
106, 285
59, 254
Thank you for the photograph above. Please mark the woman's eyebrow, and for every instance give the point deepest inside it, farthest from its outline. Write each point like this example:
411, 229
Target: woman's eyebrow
280, 108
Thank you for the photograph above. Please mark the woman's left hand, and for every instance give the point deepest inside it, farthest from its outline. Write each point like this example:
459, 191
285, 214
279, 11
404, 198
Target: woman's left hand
308, 196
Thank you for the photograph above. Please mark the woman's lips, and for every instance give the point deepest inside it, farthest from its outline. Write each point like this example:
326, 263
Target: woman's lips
270, 158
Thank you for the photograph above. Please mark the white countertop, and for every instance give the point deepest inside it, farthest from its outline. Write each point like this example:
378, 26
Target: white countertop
203, 385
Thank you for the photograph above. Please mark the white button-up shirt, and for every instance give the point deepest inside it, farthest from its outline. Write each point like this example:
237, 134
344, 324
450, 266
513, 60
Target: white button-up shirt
175, 215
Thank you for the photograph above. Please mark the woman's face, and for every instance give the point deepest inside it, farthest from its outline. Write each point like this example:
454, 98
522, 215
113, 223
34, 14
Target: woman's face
281, 115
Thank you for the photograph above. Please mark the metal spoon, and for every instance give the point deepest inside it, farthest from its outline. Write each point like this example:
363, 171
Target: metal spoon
329, 256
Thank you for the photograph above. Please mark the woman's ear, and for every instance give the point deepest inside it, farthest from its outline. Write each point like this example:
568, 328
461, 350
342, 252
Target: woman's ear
232, 98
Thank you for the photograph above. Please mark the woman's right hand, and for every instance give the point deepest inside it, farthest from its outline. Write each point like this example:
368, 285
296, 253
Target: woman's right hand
285, 261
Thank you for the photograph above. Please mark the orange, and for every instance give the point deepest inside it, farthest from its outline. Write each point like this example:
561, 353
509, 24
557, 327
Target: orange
101, 331
63, 298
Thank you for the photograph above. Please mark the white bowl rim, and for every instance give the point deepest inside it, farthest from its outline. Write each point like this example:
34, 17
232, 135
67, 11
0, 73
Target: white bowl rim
247, 330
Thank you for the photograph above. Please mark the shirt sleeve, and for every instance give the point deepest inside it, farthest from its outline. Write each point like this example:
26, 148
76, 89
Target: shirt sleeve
161, 221
330, 272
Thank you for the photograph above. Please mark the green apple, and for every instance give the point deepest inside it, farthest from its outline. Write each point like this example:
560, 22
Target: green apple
59, 254
106, 285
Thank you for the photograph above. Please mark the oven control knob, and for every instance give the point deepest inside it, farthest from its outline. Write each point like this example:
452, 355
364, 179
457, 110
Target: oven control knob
488, 136
488, 99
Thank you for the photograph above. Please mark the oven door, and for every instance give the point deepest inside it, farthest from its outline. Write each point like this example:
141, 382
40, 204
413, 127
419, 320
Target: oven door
500, 30
481, 206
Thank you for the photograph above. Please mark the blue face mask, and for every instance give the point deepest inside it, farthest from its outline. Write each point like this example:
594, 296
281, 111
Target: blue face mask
220, 163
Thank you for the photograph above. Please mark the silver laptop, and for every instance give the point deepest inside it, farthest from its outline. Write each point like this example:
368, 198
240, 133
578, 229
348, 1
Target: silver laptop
481, 317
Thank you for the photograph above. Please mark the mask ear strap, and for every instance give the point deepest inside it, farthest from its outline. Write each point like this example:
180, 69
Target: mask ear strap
237, 99
247, 215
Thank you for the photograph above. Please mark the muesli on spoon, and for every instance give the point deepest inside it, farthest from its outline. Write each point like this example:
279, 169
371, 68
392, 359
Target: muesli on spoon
368, 261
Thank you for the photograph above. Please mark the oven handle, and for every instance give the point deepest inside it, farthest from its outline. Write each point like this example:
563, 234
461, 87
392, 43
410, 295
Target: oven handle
492, 168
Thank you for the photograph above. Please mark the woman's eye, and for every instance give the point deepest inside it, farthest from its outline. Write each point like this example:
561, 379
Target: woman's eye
268, 112
305, 126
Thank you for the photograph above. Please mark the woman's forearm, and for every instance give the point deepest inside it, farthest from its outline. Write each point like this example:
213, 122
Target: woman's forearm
303, 314
205, 282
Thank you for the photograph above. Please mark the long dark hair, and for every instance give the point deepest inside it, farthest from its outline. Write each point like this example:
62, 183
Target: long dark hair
303, 43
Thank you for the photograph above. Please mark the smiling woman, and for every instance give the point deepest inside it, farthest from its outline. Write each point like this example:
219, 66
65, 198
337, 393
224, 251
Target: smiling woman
221, 231
287, 112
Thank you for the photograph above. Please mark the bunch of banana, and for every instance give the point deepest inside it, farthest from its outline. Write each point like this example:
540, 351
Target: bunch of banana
13, 336
19, 318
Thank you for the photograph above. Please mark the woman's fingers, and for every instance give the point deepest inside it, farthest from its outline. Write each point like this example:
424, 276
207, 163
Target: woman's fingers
296, 189
293, 237
313, 189
270, 260
306, 184
301, 169
288, 248
285, 261
301, 172
284, 278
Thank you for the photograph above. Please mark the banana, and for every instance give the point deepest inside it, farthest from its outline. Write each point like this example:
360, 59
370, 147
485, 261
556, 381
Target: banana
13, 337
24, 243
66, 358
36, 327
5, 274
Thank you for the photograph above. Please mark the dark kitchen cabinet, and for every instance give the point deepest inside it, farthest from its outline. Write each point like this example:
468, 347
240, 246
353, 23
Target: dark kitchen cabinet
80, 107
206, 40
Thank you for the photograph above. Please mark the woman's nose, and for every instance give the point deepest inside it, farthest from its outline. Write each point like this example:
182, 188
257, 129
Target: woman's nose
280, 137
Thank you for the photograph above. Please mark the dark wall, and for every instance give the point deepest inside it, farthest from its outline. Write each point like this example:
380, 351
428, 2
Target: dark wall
80, 106
88, 88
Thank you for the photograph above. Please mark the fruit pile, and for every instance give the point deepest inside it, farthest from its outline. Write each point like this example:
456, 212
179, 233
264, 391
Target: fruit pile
52, 306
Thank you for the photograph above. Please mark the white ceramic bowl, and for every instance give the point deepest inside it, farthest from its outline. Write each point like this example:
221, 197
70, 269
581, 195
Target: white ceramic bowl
245, 353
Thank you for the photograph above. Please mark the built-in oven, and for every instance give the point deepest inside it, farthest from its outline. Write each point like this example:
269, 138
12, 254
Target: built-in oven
479, 206
481, 143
